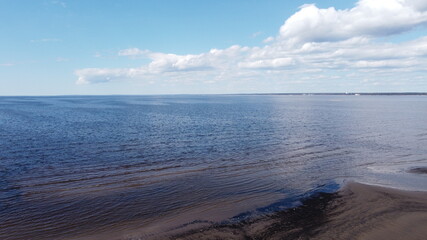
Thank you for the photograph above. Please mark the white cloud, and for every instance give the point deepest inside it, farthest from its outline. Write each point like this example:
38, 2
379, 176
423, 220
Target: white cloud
313, 45
268, 63
420, 5
162, 63
98, 75
7, 64
269, 39
256, 34
383, 64
371, 18
60, 3
132, 52
43, 40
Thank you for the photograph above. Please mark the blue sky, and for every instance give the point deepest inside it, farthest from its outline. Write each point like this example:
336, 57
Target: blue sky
53, 47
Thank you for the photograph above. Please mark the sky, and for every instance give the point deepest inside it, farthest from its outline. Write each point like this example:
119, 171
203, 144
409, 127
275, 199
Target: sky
101, 47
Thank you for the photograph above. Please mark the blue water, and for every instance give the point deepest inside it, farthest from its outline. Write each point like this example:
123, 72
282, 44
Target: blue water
75, 166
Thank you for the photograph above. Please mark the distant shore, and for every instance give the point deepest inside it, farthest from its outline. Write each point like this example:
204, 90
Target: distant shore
219, 94
358, 211
346, 94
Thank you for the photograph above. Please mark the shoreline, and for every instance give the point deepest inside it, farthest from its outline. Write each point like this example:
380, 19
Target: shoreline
357, 211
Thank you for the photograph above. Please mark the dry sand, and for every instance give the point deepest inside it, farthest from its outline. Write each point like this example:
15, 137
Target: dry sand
356, 212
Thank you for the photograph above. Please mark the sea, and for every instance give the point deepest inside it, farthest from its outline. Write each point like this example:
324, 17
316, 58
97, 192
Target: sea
134, 167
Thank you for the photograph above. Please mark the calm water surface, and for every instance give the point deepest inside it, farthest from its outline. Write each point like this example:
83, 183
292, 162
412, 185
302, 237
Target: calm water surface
128, 166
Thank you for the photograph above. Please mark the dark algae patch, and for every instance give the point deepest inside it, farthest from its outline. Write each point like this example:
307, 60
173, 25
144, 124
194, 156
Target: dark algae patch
299, 222
418, 170
356, 212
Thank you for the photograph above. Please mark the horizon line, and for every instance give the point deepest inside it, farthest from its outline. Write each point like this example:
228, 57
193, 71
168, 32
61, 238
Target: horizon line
267, 93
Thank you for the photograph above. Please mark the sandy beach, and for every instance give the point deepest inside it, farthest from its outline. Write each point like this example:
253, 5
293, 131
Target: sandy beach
358, 211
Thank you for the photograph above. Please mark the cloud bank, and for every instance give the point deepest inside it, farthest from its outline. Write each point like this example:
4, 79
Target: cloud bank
312, 44
370, 18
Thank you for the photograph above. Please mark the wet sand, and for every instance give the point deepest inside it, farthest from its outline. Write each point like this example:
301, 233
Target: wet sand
358, 211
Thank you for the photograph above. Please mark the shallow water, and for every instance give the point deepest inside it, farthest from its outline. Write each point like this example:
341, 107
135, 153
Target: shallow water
77, 166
